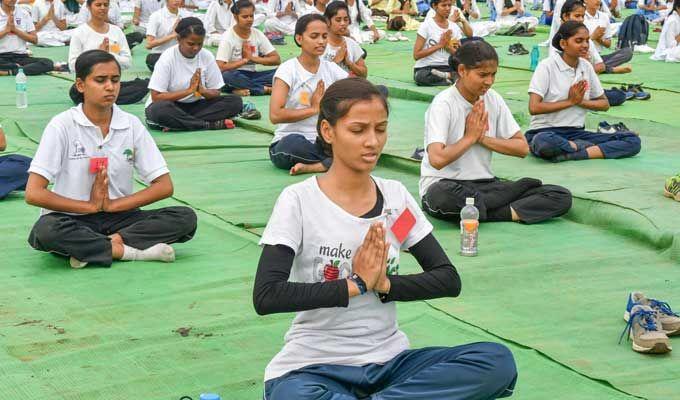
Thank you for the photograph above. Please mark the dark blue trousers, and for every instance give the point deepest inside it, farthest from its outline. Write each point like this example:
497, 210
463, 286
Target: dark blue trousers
295, 148
548, 143
255, 81
13, 173
477, 371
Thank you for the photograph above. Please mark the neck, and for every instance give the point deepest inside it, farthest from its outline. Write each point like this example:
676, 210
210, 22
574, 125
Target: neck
467, 95
97, 22
439, 19
571, 61
308, 60
241, 30
7, 9
351, 183
100, 116
320, 7
334, 38
173, 10
592, 10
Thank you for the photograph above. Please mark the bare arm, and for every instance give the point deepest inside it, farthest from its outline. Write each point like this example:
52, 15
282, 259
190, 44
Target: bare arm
418, 50
359, 68
38, 195
278, 113
136, 16
440, 155
27, 36
152, 42
3, 140
537, 106
598, 104
172, 96
599, 67
272, 58
516, 146
231, 65
465, 27
159, 189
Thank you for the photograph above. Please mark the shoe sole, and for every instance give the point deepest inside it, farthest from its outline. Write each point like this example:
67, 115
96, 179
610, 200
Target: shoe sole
668, 194
659, 348
626, 317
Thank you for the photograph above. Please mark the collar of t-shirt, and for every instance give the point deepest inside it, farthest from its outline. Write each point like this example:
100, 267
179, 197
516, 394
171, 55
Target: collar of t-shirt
562, 65
378, 207
118, 120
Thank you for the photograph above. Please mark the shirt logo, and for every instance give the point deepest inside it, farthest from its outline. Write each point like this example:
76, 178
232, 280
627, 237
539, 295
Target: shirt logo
129, 155
78, 150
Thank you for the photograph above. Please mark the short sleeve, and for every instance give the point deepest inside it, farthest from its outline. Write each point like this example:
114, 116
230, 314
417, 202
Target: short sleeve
355, 52
213, 79
596, 89
337, 72
149, 162
60, 10
28, 24
285, 224
540, 81
152, 27
224, 49
456, 32
160, 77
264, 46
422, 227
437, 122
423, 30
35, 11
48, 158
286, 73
595, 57
506, 126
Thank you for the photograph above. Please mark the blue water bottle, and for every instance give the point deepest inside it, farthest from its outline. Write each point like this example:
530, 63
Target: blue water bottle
535, 54
209, 396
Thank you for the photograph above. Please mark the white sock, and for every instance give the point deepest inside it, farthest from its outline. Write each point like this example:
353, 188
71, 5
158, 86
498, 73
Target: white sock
158, 252
75, 263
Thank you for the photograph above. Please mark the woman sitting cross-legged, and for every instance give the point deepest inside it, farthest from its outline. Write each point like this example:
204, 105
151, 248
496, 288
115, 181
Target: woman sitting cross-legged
90, 153
331, 253
186, 86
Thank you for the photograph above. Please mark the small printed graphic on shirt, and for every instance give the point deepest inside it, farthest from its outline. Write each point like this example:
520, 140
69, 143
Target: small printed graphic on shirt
326, 270
129, 155
393, 266
78, 150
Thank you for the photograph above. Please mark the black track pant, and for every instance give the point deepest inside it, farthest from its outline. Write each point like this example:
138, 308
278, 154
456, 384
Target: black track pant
131, 92
151, 60
134, 38
532, 201
192, 116
31, 65
86, 237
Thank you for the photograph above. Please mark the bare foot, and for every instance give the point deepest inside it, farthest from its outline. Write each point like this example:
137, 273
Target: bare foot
4, 73
622, 69
300, 168
241, 92
267, 90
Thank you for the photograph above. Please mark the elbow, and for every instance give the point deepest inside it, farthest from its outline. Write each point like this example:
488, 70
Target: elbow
533, 110
149, 44
274, 117
30, 197
456, 285
436, 162
523, 151
277, 60
260, 303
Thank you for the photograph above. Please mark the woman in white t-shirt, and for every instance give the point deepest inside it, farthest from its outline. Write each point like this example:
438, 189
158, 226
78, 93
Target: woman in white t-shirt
16, 30
342, 49
49, 17
318, 8
360, 14
460, 16
160, 32
92, 214
563, 89
598, 24
299, 84
98, 33
668, 48
511, 12
218, 19
438, 38
186, 86
283, 15
464, 125
331, 252
241, 49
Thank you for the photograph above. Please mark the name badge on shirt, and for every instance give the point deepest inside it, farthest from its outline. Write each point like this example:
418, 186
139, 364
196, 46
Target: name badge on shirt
305, 98
403, 225
115, 48
98, 163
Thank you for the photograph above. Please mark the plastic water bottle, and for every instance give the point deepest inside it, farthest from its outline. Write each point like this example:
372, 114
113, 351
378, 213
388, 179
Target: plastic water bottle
535, 55
469, 227
209, 396
20, 80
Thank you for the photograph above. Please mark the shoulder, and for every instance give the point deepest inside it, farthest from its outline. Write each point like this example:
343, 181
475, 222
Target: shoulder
333, 69
493, 97
287, 67
444, 97
298, 192
206, 56
586, 65
351, 43
115, 30
391, 189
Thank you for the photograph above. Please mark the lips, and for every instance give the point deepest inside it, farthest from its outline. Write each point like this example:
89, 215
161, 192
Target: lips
370, 157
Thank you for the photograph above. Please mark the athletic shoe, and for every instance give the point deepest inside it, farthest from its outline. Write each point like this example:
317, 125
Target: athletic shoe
402, 37
440, 74
418, 153
621, 127
392, 38
278, 41
249, 111
643, 48
629, 94
604, 127
521, 50
639, 93
672, 187
670, 321
644, 329
517, 50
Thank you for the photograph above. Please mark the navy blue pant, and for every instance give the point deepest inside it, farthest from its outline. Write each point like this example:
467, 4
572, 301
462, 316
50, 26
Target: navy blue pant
548, 143
615, 97
13, 173
295, 148
476, 371
255, 81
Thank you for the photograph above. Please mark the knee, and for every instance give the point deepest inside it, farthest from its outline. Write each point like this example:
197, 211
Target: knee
501, 367
159, 109
185, 219
561, 196
47, 230
297, 388
544, 145
635, 143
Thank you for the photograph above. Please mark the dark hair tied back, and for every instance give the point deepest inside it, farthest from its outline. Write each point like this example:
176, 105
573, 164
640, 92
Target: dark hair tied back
567, 30
188, 26
86, 62
339, 99
471, 54
304, 21
241, 5
335, 7
570, 6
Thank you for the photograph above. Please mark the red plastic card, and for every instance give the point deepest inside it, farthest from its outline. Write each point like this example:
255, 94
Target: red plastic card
98, 163
403, 225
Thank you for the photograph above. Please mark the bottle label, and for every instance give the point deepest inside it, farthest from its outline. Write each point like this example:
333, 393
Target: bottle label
21, 87
469, 225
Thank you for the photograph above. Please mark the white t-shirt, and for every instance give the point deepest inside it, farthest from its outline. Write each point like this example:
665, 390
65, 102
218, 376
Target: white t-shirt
70, 139
231, 47
85, 38
147, 7
670, 30
162, 23
12, 43
40, 10
592, 22
353, 50
445, 123
301, 85
218, 18
552, 80
432, 33
367, 330
114, 15
173, 72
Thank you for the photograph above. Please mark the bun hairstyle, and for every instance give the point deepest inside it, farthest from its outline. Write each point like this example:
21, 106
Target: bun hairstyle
567, 30
569, 7
472, 54
86, 62
335, 7
302, 22
339, 99
240, 5
188, 26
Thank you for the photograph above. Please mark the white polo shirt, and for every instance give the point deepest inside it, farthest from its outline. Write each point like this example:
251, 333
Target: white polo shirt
162, 23
445, 123
146, 8
40, 10
353, 49
231, 47
432, 33
301, 85
12, 43
70, 139
592, 22
173, 72
552, 80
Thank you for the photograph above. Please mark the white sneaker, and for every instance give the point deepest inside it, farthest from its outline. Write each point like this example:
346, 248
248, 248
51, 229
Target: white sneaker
76, 264
643, 48
402, 38
392, 38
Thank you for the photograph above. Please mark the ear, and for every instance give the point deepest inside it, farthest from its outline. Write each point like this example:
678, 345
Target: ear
327, 132
563, 44
80, 85
461, 69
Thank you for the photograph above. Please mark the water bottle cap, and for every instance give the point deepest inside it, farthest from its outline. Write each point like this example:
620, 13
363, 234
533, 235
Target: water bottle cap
21, 70
470, 201
209, 396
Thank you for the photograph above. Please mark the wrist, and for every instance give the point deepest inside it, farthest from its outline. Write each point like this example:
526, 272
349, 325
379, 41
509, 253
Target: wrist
385, 286
360, 284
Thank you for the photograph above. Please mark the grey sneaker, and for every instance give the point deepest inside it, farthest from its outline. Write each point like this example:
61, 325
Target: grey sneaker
644, 329
670, 321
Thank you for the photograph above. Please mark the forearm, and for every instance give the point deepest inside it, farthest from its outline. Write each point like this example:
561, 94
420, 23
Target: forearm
543, 107
42, 197
270, 60
285, 115
358, 70
516, 147
146, 196
442, 157
171, 96
152, 42
466, 28
231, 65
599, 68
29, 37
422, 53
210, 93
40, 24
599, 104
61, 24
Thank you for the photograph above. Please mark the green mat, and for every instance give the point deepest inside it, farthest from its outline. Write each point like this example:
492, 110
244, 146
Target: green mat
553, 292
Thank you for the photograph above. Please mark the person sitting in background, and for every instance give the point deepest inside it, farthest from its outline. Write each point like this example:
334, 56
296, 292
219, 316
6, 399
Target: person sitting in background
241, 49
511, 12
402, 15
49, 17
186, 86
142, 12
600, 34
668, 48
92, 214
218, 19
160, 32
16, 30
360, 16
13, 169
650, 9
342, 49
283, 15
